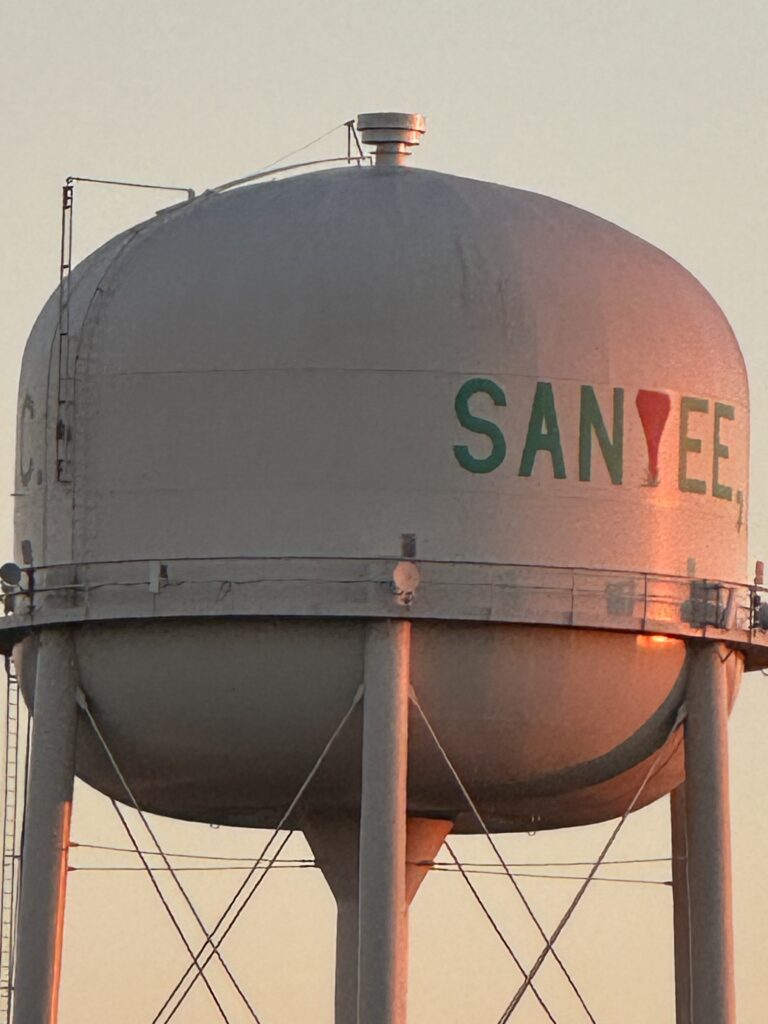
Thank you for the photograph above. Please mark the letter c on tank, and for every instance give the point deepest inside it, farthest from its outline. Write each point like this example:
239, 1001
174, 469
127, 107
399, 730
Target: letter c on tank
27, 412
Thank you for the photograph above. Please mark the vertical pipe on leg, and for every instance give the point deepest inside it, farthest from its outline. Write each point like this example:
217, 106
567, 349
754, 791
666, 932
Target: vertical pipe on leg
383, 949
335, 843
709, 841
681, 908
46, 832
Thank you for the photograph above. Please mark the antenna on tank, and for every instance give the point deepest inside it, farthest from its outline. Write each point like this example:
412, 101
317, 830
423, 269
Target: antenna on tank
352, 136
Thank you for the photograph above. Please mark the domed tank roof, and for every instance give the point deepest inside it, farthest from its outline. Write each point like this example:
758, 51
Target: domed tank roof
292, 341
438, 272
441, 271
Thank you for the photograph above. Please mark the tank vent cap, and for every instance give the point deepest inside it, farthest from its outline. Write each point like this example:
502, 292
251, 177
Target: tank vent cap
391, 136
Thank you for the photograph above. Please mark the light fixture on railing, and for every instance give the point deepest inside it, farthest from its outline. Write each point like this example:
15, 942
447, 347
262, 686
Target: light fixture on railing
10, 578
10, 574
15, 581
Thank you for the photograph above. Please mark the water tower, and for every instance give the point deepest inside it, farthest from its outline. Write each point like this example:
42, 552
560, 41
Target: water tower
312, 447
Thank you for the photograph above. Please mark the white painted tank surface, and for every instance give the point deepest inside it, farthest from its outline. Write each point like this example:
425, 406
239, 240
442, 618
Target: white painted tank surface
276, 394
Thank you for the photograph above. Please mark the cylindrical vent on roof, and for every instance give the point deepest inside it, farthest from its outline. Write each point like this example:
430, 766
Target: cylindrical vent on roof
391, 135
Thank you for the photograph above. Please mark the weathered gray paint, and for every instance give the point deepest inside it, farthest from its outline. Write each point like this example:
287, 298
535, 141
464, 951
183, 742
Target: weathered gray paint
269, 374
265, 406
46, 833
237, 358
713, 999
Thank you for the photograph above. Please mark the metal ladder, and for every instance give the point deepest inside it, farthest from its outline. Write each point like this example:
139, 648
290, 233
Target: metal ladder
66, 383
9, 883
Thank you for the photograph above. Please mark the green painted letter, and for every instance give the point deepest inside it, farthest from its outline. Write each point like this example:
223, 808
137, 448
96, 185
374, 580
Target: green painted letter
689, 444
720, 451
590, 418
479, 385
543, 414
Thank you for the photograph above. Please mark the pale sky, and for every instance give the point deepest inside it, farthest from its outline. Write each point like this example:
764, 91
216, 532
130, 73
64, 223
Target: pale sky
650, 113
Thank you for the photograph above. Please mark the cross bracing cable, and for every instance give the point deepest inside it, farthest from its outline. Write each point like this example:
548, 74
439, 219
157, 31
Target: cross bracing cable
186, 856
215, 943
222, 867
549, 863
298, 865
497, 853
83, 704
418, 863
549, 947
174, 920
479, 900
555, 878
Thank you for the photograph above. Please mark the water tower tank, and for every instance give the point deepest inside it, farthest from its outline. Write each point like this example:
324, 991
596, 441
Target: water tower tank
289, 409
277, 393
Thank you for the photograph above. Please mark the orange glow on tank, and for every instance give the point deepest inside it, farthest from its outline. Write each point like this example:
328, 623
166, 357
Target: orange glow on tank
656, 640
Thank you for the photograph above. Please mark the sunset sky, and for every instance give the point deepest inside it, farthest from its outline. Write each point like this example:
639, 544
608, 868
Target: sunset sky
649, 113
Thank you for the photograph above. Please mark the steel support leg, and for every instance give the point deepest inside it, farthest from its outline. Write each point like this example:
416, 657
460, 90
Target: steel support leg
709, 841
46, 832
383, 950
681, 906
